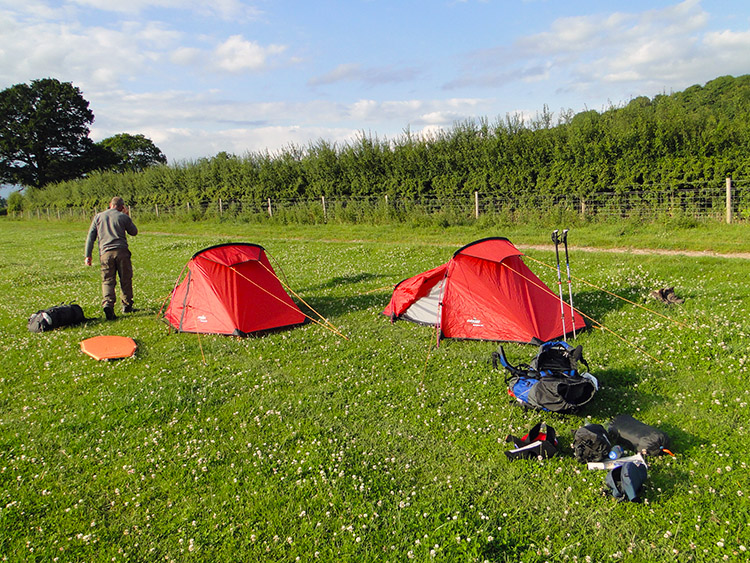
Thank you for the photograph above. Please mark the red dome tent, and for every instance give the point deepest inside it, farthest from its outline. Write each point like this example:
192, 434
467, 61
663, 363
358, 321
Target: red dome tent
231, 289
485, 292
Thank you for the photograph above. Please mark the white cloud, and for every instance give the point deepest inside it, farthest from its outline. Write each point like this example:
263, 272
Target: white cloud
229, 10
186, 56
565, 35
724, 41
645, 51
372, 76
125, 6
199, 143
343, 72
92, 55
237, 54
441, 112
98, 56
189, 125
617, 30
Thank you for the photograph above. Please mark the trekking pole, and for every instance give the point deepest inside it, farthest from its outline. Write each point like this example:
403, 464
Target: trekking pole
570, 283
556, 240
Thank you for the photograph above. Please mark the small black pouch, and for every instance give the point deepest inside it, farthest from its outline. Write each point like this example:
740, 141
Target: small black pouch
534, 445
591, 443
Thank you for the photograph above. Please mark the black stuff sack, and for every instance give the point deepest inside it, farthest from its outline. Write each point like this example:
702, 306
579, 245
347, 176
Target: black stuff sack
637, 436
536, 444
591, 443
56, 317
625, 482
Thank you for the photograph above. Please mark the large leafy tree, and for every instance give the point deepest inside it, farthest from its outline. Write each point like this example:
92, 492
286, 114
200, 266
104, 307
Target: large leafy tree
132, 152
44, 133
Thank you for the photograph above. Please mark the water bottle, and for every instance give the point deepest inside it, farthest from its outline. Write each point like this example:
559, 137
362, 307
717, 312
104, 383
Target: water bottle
615, 452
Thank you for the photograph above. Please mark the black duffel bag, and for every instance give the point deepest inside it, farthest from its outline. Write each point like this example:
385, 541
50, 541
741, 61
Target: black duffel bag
56, 317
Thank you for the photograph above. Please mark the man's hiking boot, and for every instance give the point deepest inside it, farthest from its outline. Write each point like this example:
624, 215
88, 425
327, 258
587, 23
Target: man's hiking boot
109, 312
128, 309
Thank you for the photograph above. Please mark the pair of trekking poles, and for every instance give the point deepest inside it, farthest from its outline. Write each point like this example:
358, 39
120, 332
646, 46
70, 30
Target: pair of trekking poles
557, 238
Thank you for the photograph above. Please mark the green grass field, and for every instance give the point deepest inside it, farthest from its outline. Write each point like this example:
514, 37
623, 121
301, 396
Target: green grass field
302, 445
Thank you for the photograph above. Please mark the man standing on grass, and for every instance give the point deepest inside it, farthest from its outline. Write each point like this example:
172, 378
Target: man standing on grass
110, 227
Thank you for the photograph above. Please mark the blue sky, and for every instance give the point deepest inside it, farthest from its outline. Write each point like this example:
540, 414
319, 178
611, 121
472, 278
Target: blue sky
200, 77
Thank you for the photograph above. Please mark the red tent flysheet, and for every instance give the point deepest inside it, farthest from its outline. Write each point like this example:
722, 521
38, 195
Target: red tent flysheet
484, 292
231, 289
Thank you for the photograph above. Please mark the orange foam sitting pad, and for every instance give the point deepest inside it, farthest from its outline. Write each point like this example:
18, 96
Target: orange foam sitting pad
109, 347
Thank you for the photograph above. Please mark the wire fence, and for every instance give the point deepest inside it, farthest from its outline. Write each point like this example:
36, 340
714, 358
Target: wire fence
711, 204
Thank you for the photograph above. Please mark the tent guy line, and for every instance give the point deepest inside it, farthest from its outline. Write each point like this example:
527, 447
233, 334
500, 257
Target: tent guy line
683, 325
593, 320
327, 325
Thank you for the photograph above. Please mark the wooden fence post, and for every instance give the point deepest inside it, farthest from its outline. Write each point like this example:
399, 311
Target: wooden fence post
270, 210
156, 208
325, 214
476, 205
729, 200
221, 207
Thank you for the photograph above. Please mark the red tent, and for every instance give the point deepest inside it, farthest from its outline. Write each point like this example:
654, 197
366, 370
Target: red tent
485, 292
231, 289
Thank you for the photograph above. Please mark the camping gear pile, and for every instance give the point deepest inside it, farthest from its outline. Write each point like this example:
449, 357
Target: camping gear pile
602, 449
552, 382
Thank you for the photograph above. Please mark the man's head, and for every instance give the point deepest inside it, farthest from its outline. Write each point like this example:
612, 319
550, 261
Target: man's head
117, 203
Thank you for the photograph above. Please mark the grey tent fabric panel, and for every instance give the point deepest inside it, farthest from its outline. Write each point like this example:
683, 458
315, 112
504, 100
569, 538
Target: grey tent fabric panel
425, 310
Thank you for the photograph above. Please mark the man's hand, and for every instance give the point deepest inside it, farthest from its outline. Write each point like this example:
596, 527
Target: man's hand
87, 260
126, 210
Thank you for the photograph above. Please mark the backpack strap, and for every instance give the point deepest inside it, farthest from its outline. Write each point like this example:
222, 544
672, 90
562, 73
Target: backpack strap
576, 356
521, 370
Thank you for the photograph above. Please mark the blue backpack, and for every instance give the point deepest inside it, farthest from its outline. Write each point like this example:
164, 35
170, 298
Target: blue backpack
552, 381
